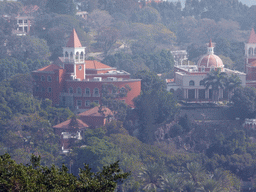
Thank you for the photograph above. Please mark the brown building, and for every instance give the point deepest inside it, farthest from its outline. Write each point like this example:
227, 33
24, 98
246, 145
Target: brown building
73, 129
75, 82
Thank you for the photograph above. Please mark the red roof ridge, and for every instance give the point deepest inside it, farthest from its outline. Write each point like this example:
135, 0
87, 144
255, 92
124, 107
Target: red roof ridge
95, 112
252, 38
74, 40
50, 67
94, 64
66, 124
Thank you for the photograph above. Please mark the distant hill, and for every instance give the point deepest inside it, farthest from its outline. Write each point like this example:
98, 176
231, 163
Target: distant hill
247, 2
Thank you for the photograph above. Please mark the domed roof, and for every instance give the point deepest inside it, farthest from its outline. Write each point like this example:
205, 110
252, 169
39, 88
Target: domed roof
210, 60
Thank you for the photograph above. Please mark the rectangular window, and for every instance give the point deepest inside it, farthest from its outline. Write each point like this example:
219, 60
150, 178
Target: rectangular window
49, 78
20, 29
96, 101
36, 78
26, 29
43, 89
87, 103
25, 21
49, 89
37, 89
79, 103
20, 21
201, 94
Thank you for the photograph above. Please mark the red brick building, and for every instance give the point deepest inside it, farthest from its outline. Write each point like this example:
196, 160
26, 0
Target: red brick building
250, 60
75, 82
73, 129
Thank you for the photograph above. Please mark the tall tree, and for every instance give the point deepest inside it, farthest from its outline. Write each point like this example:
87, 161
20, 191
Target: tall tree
231, 83
244, 102
151, 114
61, 6
215, 80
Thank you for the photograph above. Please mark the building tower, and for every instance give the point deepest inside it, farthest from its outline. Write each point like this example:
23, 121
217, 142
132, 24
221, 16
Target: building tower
250, 57
74, 55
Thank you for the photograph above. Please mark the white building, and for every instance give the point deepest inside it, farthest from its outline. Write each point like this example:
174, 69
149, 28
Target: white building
188, 84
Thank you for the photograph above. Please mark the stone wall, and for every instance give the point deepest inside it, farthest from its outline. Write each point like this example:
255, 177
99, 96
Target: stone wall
207, 113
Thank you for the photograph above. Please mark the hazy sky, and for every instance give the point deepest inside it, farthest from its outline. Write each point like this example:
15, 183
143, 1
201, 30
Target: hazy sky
247, 2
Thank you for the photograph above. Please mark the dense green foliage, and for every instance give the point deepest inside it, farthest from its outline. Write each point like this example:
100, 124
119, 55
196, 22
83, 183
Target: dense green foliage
35, 177
26, 123
163, 153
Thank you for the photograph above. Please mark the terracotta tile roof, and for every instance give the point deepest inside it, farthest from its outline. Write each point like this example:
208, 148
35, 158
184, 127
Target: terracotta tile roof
253, 64
51, 67
95, 65
169, 80
30, 9
252, 38
65, 124
95, 112
74, 40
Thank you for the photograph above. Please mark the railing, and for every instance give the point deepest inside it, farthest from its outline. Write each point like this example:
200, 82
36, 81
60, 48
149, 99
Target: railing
69, 60
96, 95
66, 94
78, 95
86, 95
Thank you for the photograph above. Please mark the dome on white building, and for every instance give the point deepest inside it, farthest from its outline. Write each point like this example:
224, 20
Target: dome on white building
210, 60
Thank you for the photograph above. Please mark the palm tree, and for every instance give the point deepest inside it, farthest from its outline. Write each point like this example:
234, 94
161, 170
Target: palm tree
215, 80
231, 83
172, 182
150, 176
195, 173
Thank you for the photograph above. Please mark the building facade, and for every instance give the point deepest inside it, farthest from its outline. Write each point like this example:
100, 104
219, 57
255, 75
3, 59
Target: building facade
75, 82
250, 60
188, 79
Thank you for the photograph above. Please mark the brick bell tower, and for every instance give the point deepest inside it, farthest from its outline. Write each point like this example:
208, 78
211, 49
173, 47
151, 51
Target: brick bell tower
74, 55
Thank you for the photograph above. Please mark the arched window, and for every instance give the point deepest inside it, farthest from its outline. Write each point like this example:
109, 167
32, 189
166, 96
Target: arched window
49, 78
81, 56
87, 91
96, 92
71, 55
42, 78
191, 83
77, 56
79, 90
66, 55
203, 69
250, 51
202, 83
70, 90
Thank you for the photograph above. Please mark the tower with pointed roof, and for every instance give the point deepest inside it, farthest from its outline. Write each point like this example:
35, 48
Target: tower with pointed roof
250, 50
74, 56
